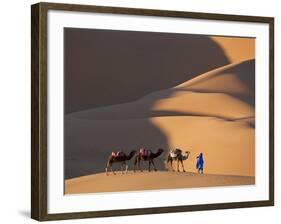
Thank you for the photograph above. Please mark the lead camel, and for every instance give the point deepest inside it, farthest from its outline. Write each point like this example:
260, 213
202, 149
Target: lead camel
178, 156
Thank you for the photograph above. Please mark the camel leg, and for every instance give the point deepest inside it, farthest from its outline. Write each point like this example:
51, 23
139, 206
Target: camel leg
122, 164
140, 166
126, 168
135, 164
171, 164
112, 170
153, 165
183, 170
108, 166
178, 166
149, 163
106, 171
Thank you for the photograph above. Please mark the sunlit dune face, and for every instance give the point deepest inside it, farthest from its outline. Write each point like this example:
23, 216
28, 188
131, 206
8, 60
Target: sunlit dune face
228, 83
228, 146
236, 48
206, 104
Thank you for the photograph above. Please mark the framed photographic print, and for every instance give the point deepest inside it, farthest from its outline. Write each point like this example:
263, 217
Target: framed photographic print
141, 111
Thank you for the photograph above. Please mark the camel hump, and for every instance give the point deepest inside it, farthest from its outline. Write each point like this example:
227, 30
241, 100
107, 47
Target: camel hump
145, 152
175, 152
117, 153
178, 151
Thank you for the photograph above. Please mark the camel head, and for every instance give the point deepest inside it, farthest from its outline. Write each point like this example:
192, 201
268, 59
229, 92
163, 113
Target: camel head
185, 157
160, 151
132, 153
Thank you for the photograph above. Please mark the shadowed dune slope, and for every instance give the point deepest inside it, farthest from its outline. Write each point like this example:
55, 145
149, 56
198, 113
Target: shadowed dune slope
216, 119
99, 64
90, 142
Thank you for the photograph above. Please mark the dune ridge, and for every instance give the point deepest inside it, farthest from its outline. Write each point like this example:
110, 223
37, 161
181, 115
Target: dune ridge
223, 71
232, 47
220, 85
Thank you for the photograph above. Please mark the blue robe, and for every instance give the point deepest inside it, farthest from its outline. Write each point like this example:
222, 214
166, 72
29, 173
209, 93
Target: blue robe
200, 162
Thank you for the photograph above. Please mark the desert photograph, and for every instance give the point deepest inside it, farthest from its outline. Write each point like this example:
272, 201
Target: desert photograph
152, 111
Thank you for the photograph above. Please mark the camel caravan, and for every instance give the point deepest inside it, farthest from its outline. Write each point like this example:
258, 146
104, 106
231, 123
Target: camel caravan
146, 155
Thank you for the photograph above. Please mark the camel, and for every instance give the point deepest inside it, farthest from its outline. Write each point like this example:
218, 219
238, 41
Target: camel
121, 158
177, 155
148, 155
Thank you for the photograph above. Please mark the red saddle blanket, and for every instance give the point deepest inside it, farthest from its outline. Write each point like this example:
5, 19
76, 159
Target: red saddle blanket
117, 154
145, 152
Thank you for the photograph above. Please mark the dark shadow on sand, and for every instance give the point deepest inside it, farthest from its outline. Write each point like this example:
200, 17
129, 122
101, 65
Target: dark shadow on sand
107, 67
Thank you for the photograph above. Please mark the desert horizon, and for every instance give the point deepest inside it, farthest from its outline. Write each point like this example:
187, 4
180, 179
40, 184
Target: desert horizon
207, 105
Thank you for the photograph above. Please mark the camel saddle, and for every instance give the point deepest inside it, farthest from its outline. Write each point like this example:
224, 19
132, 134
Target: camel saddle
175, 152
117, 154
145, 152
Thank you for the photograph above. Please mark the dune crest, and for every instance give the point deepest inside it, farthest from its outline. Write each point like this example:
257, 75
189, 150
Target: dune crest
225, 92
232, 47
236, 78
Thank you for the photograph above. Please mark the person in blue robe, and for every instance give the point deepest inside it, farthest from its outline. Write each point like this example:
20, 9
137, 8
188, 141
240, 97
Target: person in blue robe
200, 163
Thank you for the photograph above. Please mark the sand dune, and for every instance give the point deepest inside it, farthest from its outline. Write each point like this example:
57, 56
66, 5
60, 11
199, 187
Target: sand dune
228, 146
236, 48
237, 80
150, 181
90, 142
225, 92
212, 113
179, 103
107, 67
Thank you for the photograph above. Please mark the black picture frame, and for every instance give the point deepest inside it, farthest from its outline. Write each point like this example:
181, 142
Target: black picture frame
39, 148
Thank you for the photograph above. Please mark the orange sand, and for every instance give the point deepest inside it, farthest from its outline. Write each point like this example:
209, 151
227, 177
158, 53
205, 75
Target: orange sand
236, 49
212, 113
150, 181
